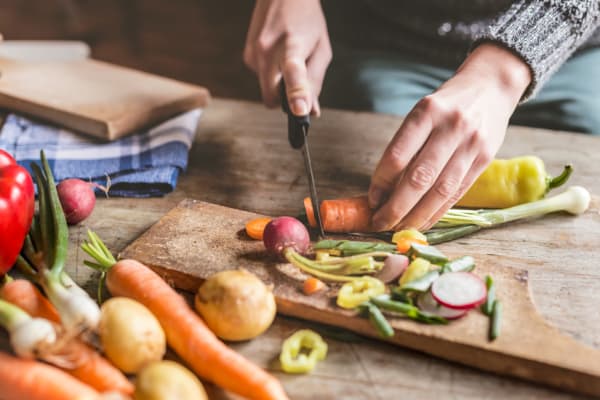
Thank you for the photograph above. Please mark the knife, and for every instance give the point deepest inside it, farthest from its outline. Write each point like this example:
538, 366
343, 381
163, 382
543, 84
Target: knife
298, 138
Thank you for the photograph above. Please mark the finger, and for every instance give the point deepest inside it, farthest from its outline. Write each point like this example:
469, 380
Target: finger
294, 70
476, 169
317, 66
419, 177
252, 45
268, 78
445, 190
407, 141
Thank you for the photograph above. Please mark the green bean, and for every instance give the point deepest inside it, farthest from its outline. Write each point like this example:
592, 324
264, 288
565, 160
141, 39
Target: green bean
378, 320
464, 263
437, 236
495, 320
488, 306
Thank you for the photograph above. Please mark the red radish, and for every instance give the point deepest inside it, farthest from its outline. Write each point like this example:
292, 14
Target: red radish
286, 233
393, 266
428, 304
77, 199
459, 290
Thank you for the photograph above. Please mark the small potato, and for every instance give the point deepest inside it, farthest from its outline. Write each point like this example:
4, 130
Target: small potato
236, 305
130, 334
167, 380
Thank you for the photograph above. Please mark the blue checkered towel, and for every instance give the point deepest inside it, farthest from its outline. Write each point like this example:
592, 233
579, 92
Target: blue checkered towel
145, 164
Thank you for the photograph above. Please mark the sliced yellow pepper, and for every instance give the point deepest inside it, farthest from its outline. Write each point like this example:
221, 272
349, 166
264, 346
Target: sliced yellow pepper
410, 234
301, 351
507, 183
416, 269
354, 293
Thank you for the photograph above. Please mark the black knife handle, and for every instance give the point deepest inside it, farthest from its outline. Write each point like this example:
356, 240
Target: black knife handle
297, 125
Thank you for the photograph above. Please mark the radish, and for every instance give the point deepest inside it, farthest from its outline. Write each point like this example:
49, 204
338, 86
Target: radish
459, 290
286, 233
77, 199
428, 304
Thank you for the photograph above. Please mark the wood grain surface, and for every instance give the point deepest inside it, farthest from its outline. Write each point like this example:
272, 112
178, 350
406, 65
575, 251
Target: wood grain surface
241, 159
94, 97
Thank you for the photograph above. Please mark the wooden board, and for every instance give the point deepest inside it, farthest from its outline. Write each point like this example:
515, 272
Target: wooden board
197, 239
94, 97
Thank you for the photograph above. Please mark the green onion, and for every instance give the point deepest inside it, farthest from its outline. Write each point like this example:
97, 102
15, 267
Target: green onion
421, 284
377, 319
429, 253
386, 303
352, 247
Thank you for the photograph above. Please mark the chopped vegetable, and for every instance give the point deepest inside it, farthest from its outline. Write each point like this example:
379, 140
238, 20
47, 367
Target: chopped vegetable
354, 293
312, 285
416, 269
488, 306
17, 202
393, 266
255, 228
421, 284
186, 333
284, 233
405, 238
377, 319
236, 305
496, 319
352, 247
428, 304
301, 352
507, 183
86, 364
33, 380
441, 235
384, 302
77, 199
461, 264
130, 335
342, 215
429, 253
459, 290
168, 380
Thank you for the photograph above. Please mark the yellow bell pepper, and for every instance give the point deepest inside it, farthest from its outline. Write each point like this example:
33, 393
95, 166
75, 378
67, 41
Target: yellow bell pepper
507, 183
353, 294
416, 269
296, 361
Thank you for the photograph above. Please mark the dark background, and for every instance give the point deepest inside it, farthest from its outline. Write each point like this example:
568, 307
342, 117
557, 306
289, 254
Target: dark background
197, 41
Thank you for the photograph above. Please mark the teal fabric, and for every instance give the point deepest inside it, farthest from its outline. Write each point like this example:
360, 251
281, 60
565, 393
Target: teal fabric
389, 83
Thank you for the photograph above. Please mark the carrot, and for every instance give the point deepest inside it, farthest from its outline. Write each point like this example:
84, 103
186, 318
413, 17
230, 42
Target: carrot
90, 367
403, 244
33, 380
186, 333
310, 212
256, 227
312, 285
351, 214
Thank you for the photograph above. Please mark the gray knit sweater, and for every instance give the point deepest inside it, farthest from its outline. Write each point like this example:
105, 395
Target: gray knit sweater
545, 33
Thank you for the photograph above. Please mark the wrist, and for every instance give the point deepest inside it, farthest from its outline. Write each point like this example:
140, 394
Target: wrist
500, 67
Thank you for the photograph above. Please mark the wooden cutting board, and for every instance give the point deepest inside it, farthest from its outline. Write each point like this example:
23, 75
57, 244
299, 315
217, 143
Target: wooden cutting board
93, 97
197, 239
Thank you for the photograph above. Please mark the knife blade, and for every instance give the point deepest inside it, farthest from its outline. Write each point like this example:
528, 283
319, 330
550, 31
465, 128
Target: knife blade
298, 138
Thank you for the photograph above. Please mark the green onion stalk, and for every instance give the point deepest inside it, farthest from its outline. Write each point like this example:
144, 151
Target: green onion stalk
44, 256
460, 222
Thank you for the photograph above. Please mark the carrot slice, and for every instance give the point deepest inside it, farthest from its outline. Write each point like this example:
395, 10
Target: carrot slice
403, 244
256, 227
312, 285
310, 212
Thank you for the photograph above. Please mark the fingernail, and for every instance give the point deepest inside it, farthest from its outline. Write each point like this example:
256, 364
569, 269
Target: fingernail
299, 107
375, 196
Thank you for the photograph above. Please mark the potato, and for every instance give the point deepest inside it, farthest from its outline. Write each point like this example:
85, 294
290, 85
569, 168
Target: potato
167, 380
236, 305
130, 335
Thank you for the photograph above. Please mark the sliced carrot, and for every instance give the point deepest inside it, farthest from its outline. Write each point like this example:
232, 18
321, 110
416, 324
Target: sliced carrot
33, 380
310, 212
189, 336
346, 215
256, 227
312, 285
90, 367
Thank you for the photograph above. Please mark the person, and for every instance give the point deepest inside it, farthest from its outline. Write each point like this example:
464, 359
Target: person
531, 62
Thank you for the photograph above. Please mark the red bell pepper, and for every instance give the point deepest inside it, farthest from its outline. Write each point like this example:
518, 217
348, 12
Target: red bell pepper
17, 203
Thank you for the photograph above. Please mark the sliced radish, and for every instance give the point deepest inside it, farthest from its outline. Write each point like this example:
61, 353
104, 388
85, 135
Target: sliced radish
428, 304
393, 266
459, 290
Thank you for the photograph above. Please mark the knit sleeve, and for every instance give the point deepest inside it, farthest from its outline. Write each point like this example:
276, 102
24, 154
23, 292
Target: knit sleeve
544, 33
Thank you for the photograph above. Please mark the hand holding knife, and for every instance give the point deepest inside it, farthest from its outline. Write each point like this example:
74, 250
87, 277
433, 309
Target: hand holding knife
298, 138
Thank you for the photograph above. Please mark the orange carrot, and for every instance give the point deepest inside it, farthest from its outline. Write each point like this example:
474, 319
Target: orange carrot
90, 366
189, 336
310, 212
312, 285
352, 214
256, 227
33, 380
403, 244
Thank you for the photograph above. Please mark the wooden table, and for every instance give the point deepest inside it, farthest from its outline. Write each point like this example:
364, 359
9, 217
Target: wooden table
241, 159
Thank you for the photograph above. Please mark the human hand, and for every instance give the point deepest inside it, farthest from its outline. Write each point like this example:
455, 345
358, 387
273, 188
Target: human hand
289, 38
447, 140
